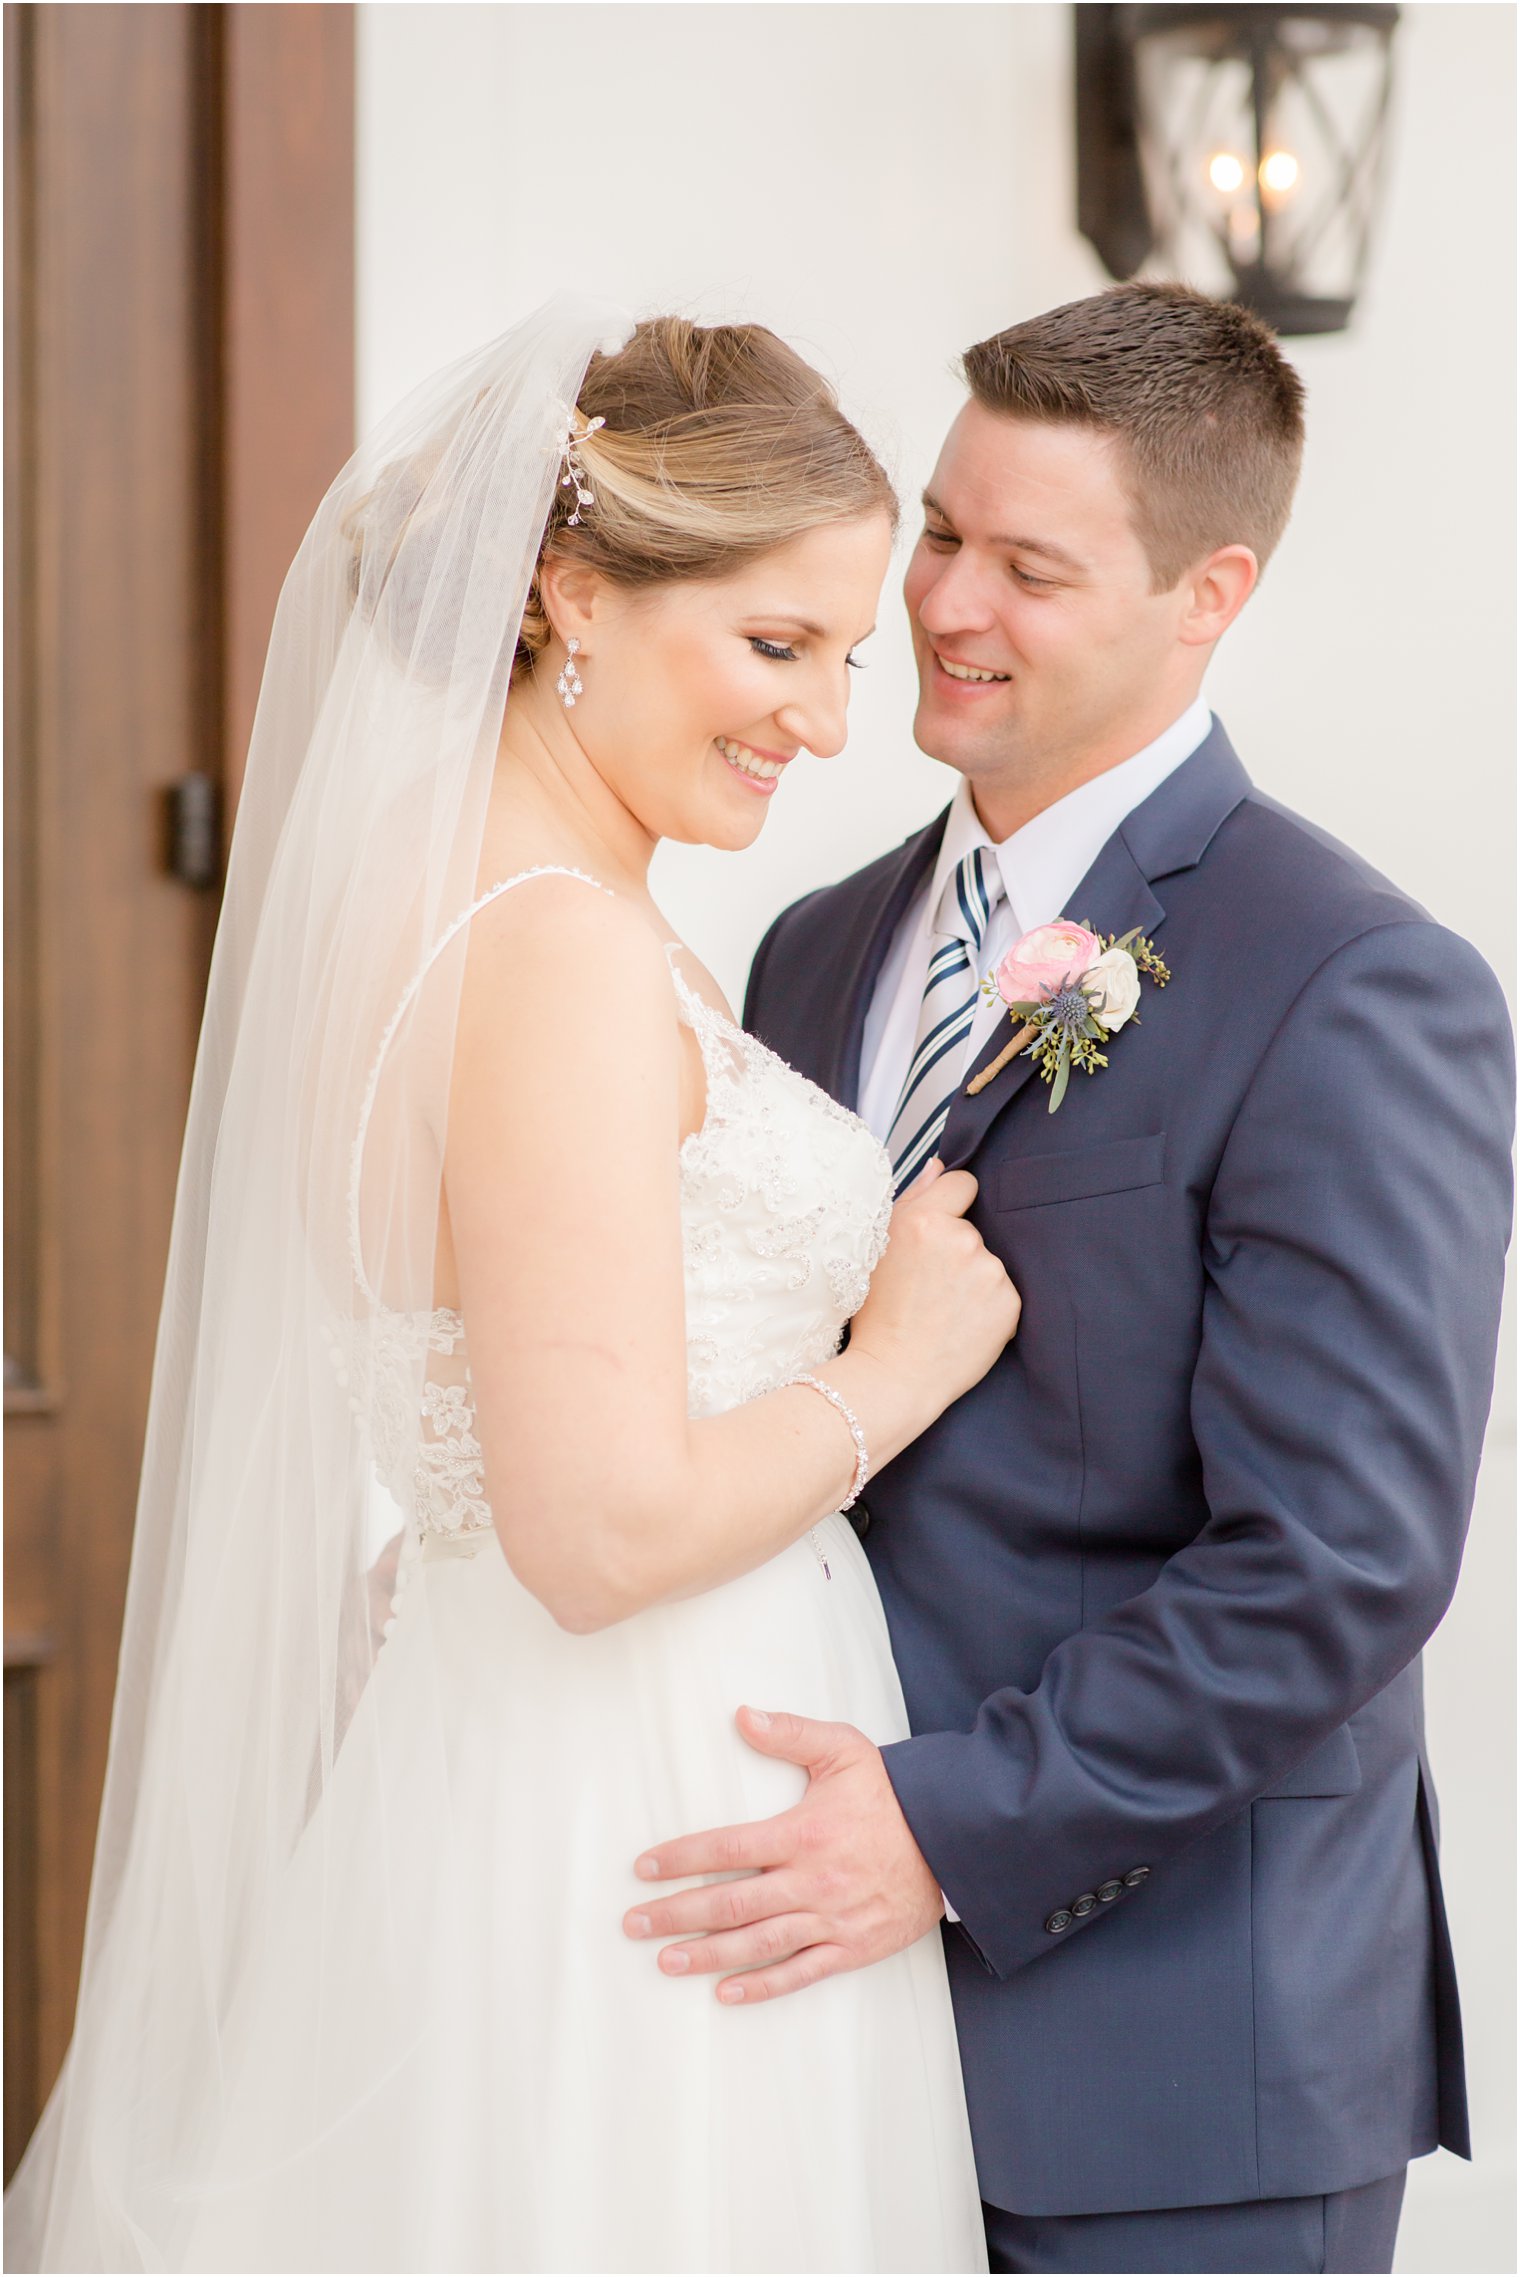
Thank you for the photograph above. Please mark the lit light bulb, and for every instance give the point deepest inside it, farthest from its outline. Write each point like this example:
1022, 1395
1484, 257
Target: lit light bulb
1226, 172
1279, 171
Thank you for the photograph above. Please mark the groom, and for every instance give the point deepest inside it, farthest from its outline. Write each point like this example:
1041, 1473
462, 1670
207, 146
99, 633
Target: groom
1157, 1587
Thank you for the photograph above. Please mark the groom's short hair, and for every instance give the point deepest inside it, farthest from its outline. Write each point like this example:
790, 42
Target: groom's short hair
1208, 409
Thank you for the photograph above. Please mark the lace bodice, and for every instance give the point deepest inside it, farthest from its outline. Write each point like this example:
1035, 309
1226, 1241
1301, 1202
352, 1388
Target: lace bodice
785, 1203
785, 1198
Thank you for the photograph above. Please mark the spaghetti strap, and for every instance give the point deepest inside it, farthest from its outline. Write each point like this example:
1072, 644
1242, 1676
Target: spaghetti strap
704, 1017
408, 995
684, 989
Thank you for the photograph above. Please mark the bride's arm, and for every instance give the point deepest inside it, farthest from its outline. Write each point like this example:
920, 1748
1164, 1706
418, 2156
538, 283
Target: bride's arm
562, 1183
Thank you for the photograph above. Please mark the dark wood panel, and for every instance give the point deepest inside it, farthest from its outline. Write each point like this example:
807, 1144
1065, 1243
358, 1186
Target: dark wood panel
24, 1662
31, 1259
171, 419
288, 331
114, 569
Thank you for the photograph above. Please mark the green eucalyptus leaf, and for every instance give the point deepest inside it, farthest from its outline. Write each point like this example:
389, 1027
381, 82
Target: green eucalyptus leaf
1058, 1088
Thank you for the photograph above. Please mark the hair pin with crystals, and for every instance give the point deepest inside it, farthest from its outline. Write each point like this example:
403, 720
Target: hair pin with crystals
575, 476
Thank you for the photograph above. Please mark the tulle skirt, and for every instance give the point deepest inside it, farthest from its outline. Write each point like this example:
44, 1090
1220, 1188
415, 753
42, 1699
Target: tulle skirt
449, 2056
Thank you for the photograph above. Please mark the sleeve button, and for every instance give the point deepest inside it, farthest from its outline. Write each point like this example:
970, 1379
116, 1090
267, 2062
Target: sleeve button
1135, 1876
1057, 1921
1108, 1891
1083, 1905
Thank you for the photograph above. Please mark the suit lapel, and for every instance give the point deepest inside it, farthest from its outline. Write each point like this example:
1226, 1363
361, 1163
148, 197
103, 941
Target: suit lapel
1114, 895
1168, 832
867, 938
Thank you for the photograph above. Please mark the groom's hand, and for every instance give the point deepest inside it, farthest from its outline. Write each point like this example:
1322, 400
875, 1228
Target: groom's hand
834, 1883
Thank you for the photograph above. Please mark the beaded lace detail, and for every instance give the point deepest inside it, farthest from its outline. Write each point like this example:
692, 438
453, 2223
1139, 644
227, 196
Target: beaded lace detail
785, 1203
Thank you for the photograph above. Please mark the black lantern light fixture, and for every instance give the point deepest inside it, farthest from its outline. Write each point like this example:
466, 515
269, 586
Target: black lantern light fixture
1239, 147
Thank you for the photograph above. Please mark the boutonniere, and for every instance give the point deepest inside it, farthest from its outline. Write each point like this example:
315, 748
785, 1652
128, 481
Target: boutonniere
1068, 989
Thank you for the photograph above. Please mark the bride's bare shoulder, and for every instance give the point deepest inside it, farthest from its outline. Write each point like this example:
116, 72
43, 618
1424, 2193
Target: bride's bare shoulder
555, 951
549, 908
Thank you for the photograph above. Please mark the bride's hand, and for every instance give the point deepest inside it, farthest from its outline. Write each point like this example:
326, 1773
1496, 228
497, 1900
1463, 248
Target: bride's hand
941, 1307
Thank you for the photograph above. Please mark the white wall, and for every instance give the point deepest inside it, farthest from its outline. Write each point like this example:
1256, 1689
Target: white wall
883, 184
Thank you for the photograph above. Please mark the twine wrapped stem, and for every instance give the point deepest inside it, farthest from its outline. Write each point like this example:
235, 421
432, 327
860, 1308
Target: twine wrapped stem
1021, 1037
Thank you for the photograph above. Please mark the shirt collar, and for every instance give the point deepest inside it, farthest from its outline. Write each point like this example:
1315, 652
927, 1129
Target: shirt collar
1047, 859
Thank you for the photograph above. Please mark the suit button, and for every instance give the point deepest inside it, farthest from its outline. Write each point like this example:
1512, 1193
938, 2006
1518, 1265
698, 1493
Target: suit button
1057, 1921
1084, 1904
1135, 1876
860, 1519
1108, 1891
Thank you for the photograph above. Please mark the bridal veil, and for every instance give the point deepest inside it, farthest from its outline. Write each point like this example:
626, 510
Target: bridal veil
289, 1372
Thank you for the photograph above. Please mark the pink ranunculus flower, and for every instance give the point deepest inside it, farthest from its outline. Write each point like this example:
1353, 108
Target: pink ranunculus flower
1043, 961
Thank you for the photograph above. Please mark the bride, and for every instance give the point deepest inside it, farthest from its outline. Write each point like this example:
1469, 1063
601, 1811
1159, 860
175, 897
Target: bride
356, 1993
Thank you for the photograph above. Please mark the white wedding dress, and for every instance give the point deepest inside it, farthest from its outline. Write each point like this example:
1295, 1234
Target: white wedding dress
562, 2105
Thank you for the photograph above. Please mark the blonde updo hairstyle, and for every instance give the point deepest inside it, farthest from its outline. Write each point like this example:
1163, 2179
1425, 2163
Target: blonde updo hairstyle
719, 443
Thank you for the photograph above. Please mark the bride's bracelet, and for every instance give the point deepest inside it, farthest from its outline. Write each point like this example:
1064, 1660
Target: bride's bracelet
862, 1456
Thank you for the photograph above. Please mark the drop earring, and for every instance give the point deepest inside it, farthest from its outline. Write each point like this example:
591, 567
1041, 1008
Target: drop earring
569, 682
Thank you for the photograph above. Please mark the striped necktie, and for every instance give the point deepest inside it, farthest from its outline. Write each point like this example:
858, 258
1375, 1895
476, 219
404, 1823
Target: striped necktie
951, 988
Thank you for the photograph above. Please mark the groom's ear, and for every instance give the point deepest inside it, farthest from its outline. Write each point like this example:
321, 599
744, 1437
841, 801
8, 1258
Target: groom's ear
1214, 593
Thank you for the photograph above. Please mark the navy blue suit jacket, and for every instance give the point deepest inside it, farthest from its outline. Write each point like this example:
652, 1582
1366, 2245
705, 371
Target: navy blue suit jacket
1157, 1587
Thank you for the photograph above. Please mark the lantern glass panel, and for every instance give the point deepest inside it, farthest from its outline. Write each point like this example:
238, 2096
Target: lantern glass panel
1261, 143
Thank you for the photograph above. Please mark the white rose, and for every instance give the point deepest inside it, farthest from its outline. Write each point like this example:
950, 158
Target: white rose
1113, 988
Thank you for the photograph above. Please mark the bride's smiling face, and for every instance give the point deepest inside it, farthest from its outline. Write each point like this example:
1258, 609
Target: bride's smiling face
699, 696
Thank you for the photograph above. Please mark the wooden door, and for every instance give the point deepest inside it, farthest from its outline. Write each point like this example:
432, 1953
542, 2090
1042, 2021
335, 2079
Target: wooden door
179, 391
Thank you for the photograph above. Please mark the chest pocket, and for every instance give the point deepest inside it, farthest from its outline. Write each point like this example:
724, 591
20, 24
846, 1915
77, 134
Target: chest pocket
1033, 1180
